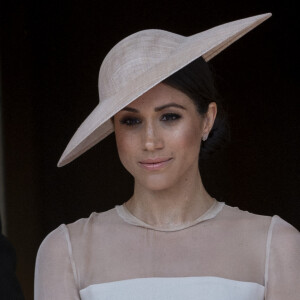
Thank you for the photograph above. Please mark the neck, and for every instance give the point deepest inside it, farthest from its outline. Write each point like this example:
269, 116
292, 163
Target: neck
184, 202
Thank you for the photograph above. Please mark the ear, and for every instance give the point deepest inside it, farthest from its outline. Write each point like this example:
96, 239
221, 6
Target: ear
209, 120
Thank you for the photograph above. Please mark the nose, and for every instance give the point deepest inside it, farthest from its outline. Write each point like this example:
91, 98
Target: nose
152, 137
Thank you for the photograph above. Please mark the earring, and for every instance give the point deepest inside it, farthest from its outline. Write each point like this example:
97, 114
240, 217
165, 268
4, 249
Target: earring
204, 138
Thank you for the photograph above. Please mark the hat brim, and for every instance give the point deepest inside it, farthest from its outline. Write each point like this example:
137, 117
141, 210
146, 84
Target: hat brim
207, 44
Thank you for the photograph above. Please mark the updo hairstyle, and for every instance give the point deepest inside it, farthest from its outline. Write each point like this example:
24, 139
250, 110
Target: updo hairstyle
197, 82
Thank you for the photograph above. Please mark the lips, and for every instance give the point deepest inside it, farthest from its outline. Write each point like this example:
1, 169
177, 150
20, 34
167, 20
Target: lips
155, 164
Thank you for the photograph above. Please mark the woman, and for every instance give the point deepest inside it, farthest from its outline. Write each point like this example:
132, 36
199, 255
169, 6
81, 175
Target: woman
171, 239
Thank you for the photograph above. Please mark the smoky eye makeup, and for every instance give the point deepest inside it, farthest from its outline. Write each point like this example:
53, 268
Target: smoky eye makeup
167, 117
130, 121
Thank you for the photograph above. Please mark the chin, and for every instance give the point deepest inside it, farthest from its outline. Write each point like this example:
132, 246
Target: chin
156, 183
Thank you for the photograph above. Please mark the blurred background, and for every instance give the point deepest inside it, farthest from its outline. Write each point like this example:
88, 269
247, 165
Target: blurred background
51, 51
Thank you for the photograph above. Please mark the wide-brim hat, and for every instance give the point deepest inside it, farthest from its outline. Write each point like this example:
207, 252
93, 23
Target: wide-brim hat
141, 61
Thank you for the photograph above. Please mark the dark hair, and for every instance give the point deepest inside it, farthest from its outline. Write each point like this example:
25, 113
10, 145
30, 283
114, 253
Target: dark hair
197, 82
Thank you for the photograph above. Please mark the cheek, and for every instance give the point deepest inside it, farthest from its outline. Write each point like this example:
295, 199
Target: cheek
126, 146
186, 139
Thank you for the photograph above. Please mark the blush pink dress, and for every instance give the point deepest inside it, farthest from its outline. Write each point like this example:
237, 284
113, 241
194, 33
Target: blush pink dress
225, 254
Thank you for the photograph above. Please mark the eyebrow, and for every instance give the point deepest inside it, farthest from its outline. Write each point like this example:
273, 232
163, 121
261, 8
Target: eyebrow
159, 108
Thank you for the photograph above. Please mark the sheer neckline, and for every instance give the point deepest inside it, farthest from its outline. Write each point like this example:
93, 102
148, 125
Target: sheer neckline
128, 217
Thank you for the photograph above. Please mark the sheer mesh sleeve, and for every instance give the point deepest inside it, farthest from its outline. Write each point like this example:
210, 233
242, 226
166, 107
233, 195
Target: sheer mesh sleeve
283, 262
55, 274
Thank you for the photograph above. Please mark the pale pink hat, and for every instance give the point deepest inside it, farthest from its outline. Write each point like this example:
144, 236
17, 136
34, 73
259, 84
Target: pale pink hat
139, 62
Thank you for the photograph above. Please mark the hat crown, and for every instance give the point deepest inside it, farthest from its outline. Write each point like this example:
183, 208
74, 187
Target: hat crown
132, 57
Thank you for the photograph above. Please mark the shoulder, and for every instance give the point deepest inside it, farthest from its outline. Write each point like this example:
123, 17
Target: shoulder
259, 227
283, 227
245, 220
283, 246
282, 271
274, 228
275, 224
61, 237
54, 243
96, 223
284, 237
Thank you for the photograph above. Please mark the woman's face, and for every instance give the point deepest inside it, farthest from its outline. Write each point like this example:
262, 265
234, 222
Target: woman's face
158, 137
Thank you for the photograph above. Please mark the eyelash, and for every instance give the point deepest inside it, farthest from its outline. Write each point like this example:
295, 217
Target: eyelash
168, 117
130, 121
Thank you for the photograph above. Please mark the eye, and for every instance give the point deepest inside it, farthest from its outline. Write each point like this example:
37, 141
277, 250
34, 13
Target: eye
170, 117
130, 121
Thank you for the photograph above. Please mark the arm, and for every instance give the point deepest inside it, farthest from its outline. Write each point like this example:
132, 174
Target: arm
55, 273
283, 271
